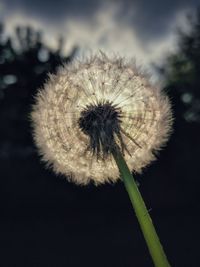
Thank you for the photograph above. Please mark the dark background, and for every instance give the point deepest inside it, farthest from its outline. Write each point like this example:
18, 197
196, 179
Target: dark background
46, 221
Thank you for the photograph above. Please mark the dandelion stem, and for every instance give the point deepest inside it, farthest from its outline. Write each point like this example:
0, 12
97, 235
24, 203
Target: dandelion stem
155, 248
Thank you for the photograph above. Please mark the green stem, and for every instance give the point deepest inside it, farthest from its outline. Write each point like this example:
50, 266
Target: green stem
155, 248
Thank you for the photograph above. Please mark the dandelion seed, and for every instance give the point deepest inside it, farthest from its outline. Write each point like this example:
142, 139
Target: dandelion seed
88, 108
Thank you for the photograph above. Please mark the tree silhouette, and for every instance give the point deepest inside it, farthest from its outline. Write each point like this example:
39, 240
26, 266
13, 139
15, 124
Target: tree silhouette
182, 72
182, 81
25, 62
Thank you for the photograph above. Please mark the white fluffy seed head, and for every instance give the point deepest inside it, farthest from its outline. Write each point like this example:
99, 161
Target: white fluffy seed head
145, 118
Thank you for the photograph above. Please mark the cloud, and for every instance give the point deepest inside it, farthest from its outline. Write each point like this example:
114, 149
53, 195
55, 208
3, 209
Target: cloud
148, 18
109, 28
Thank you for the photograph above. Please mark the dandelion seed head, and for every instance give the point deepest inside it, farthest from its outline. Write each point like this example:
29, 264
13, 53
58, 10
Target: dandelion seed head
88, 108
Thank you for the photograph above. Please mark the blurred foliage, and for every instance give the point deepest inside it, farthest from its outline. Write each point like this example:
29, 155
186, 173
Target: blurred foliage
181, 73
25, 62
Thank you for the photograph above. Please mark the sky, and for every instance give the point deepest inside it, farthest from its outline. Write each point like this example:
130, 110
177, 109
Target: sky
144, 30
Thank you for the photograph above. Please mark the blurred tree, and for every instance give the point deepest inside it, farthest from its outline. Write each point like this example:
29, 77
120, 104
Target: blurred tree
181, 74
182, 71
25, 61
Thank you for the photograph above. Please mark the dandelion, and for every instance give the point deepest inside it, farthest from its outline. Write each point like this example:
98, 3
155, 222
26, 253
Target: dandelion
88, 108
94, 120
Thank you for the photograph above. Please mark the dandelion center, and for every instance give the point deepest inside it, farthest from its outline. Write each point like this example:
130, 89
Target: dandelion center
101, 122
